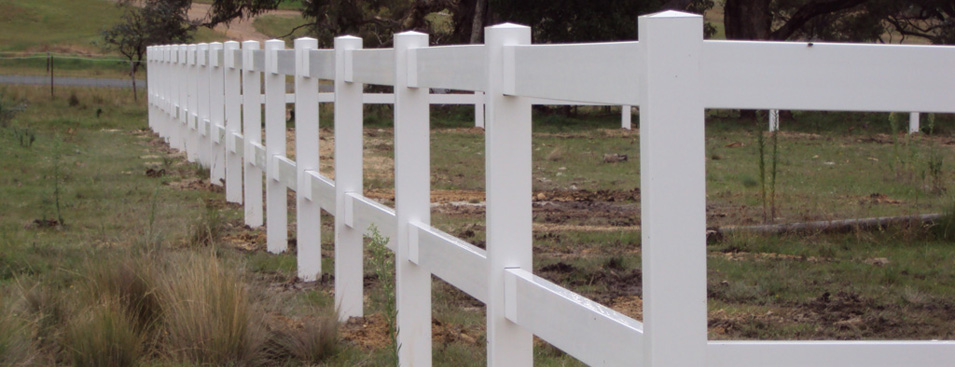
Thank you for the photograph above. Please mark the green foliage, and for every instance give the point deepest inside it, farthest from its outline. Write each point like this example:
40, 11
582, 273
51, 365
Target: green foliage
25, 136
600, 20
944, 227
8, 111
383, 265
207, 230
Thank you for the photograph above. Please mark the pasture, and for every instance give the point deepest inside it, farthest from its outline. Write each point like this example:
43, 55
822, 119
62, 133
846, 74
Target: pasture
94, 188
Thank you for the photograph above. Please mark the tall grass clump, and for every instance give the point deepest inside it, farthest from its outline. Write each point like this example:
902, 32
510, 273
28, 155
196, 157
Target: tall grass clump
209, 319
131, 281
16, 345
106, 336
49, 310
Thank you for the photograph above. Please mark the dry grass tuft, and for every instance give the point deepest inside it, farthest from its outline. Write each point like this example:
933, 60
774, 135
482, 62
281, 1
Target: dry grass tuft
209, 318
16, 347
106, 336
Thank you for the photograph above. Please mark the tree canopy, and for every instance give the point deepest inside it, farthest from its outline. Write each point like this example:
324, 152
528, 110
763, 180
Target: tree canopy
461, 21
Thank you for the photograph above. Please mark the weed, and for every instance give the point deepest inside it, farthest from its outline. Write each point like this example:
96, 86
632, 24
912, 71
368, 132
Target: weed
934, 171
50, 311
207, 230
25, 136
9, 111
767, 197
209, 319
944, 227
383, 264
106, 336
56, 181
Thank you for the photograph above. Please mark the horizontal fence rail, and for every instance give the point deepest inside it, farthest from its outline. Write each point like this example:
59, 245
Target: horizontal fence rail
208, 100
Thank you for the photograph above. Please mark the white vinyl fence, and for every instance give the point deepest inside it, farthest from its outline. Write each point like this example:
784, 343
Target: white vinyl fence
672, 74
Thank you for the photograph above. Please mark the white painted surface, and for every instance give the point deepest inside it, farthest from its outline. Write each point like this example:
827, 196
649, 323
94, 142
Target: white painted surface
507, 145
592, 333
412, 204
673, 187
349, 276
307, 212
216, 115
276, 201
233, 122
252, 133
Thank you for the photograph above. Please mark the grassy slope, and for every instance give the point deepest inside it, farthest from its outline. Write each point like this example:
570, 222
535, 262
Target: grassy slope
65, 27
68, 25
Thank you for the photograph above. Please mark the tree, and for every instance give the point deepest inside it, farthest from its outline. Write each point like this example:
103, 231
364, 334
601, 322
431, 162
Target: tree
156, 22
839, 20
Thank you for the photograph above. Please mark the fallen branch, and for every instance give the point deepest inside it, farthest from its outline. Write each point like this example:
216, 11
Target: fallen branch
828, 226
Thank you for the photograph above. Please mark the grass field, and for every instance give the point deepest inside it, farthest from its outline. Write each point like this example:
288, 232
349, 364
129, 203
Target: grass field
68, 28
280, 25
88, 190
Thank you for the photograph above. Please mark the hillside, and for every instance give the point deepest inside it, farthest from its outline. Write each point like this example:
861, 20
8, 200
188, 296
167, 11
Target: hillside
54, 25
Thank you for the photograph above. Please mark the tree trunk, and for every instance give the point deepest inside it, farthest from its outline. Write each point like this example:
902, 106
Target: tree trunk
477, 26
747, 19
132, 75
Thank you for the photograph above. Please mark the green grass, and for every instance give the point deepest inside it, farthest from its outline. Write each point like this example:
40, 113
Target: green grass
280, 25
54, 25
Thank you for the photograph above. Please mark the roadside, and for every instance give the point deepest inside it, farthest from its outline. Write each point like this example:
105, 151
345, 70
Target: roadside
68, 81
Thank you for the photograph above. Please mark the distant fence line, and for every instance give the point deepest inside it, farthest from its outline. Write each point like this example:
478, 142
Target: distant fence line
672, 73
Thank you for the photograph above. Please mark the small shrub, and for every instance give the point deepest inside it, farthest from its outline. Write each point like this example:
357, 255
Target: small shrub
8, 111
73, 100
107, 336
209, 319
25, 136
208, 229
383, 264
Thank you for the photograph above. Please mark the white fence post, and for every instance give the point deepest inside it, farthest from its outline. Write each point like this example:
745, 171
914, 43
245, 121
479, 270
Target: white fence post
252, 132
308, 212
182, 98
276, 208
672, 175
202, 104
349, 277
626, 117
507, 141
913, 122
773, 120
216, 114
412, 205
192, 90
479, 101
233, 122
